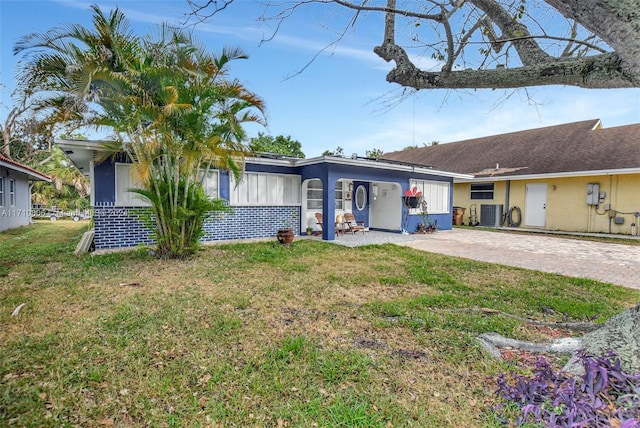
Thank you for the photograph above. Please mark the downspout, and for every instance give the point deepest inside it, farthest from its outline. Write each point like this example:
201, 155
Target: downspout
611, 202
506, 199
92, 188
30, 203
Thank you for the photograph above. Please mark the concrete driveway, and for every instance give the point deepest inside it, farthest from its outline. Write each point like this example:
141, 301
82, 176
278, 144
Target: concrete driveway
607, 262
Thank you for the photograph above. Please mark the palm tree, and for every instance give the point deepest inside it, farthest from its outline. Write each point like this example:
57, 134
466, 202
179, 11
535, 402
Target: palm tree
69, 189
169, 103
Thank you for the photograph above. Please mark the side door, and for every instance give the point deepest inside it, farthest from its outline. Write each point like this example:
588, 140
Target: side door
535, 210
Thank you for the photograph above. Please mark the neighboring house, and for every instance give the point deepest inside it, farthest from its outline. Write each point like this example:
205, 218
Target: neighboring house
275, 191
15, 192
574, 177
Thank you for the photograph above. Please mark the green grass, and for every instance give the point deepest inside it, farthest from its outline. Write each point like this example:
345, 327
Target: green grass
262, 335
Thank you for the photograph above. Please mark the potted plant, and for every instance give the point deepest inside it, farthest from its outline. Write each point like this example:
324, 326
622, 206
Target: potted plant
285, 234
309, 230
412, 198
426, 225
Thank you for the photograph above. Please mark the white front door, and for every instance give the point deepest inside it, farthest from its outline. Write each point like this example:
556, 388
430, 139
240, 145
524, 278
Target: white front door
386, 209
535, 213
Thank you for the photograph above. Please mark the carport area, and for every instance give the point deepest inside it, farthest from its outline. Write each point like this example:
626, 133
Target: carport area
607, 262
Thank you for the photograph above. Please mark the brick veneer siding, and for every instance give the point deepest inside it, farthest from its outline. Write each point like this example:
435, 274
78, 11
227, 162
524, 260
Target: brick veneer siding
252, 222
120, 227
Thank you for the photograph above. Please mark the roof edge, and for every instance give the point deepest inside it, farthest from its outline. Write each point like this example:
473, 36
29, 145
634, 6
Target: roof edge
24, 169
380, 164
621, 171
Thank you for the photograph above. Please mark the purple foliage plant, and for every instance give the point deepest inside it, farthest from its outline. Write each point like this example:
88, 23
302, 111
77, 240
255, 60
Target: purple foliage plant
604, 396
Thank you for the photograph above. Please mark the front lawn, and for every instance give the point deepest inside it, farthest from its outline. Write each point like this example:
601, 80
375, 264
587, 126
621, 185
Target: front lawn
263, 335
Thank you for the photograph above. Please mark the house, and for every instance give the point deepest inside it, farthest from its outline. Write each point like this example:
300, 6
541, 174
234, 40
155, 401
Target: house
578, 177
15, 193
274, 191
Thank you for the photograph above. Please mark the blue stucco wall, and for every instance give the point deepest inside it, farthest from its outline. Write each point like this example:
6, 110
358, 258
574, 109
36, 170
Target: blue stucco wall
104, 175
443, 221
331, 173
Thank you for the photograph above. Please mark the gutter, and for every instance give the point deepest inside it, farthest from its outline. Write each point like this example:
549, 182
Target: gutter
621, 171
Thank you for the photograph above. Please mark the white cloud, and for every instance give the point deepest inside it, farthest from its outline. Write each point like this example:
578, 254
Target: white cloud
469, 116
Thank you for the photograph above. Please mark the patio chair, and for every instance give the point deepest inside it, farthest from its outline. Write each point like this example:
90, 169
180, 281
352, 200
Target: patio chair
319, 223
352, 224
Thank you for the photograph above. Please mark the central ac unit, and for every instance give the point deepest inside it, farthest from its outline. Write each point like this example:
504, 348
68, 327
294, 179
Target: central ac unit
491, 215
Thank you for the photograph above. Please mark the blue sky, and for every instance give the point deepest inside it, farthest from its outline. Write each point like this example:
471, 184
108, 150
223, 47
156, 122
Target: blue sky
342, 97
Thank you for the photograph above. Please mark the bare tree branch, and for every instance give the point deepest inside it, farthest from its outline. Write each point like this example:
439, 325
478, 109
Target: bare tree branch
206, 9
495, 43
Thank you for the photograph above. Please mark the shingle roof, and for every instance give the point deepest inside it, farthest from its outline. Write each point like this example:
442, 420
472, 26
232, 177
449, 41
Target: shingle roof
32, 173
573, 147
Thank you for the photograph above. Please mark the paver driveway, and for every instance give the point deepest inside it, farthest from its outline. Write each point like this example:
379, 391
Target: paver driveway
607, 262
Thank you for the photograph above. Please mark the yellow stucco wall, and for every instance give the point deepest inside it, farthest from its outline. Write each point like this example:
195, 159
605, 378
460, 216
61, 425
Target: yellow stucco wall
566, 203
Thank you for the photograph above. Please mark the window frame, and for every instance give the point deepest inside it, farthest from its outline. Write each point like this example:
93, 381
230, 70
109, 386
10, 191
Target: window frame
339, 195
12, 192
315, 203
286, 192
361, 190
1, 191
477, 193
436, 189
314, 189
132, 199
203, 180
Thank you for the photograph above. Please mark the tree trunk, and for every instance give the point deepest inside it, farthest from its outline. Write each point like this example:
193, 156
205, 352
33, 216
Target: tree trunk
619, 334
616, 22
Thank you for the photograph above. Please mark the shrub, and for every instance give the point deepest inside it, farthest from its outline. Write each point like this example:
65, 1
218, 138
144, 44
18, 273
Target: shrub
605, 396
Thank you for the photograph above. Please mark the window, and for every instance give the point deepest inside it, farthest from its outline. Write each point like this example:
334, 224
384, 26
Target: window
361, 197
126, 180
482, 191
12, 193
339, 196
210, 183
265, 189
314, 195
1, 191
434, 193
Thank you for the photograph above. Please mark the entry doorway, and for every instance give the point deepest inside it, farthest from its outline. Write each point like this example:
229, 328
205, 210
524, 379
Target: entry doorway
360, 203
386, 206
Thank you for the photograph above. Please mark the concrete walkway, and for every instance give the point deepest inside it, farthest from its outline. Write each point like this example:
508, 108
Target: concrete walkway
607, 262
